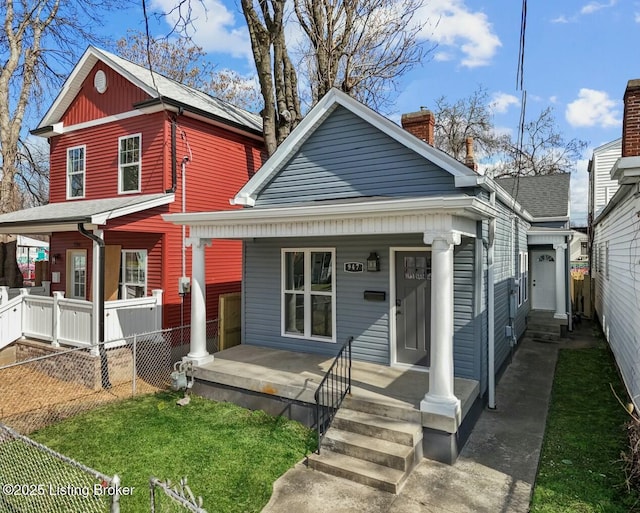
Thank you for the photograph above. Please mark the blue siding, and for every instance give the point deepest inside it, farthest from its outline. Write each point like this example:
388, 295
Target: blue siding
366, 321
346, 157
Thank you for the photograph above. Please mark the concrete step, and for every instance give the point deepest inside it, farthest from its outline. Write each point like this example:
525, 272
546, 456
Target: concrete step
357, 470
381, 452
539, 326
543, 335
384, 428
405, 413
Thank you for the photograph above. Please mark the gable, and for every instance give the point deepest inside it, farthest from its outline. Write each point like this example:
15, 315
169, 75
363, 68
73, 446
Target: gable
89, 104
347, 157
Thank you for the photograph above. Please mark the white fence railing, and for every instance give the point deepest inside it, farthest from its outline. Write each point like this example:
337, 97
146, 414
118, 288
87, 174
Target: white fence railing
70, 321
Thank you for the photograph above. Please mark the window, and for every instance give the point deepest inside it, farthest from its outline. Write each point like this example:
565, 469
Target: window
134, 274
75, 172
308, 293
584, 250
129, 164
523, 277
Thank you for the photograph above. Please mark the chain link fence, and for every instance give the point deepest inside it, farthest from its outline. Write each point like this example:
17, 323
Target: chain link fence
35, 479
46, 384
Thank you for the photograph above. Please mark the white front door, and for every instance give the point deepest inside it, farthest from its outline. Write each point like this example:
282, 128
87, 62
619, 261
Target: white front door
77, 273
543, 280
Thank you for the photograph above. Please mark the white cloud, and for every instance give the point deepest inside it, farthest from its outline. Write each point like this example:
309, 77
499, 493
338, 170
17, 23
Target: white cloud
636, 17
451, 23
443, 56
502, 101
553, 99
213, 27
579, 193
592, 7
593, 108
560, 19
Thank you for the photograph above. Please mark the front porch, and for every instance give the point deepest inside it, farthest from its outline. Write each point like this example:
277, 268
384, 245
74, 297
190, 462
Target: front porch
284, 382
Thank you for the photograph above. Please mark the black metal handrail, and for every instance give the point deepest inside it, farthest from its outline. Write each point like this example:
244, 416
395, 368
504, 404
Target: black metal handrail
333, 388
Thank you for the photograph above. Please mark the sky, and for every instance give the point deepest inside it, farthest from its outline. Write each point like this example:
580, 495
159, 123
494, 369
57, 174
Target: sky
579, 55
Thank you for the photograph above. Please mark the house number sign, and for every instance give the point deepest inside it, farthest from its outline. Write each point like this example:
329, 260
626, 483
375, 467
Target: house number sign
353, 267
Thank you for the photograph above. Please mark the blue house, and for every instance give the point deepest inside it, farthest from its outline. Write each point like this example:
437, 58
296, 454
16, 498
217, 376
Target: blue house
357, 227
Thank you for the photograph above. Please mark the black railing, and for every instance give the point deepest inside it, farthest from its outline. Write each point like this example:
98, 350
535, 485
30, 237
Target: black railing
333, 388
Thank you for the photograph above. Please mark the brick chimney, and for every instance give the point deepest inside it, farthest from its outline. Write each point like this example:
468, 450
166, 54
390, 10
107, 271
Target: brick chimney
631, 120
420, 124
470, 160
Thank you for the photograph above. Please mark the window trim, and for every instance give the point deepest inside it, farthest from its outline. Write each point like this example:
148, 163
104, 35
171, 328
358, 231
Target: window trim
139, 163
84, 172
307, 293
123, 284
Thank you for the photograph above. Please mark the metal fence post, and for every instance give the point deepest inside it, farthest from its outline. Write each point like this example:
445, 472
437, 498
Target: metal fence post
115, 498
135, 369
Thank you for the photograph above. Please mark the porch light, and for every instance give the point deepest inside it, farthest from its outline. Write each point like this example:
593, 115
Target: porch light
56, 258
373, 262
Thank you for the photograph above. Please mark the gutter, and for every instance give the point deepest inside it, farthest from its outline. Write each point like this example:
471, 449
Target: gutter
98, 297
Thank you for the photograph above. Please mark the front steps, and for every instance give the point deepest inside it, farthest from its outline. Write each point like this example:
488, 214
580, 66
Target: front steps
370, 449
541, 325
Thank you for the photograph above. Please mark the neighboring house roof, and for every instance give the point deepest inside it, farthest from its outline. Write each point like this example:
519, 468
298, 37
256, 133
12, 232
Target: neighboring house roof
617, 143
65, 216
541, 195
332, 100
156, 86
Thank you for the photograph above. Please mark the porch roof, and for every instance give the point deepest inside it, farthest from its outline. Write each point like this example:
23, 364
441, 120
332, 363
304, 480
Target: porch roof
544, 235
357, 216
60, 217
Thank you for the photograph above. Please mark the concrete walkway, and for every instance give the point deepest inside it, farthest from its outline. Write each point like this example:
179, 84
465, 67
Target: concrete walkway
495, 472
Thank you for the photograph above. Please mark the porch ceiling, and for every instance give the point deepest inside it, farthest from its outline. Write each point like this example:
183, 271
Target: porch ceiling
352, 217
61, 217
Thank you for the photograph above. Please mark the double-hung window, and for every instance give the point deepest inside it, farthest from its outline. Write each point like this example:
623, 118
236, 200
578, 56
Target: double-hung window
309, 293
134, 273
76, 171
129, 164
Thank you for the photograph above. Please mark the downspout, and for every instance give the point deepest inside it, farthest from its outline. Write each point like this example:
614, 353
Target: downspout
99, 297
491, 311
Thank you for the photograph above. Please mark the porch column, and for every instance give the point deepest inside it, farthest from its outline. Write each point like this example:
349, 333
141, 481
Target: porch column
561, 279
198, 351
440, 399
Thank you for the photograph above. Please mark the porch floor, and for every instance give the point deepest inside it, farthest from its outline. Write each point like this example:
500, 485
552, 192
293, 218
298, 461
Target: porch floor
296, 376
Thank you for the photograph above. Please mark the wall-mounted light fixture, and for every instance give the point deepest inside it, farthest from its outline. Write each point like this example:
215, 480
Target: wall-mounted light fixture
373, 262
56, 258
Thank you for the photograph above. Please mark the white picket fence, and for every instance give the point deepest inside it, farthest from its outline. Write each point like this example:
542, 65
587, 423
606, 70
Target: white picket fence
59, 320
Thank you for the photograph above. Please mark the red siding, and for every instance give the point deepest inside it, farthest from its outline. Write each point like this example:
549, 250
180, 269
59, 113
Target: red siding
101, 175
89, 104
220, 164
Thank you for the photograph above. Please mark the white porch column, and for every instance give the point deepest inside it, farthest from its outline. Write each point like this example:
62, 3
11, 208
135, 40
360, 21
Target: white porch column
440, 399
561, 279
198, 351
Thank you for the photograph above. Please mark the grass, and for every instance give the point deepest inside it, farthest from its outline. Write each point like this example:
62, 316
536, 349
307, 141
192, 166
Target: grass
230, 455
581, 469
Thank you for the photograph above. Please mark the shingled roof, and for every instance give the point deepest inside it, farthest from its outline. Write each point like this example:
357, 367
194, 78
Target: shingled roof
540, 195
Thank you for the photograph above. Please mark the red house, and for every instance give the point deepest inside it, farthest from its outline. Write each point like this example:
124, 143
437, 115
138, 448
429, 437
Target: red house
127, 146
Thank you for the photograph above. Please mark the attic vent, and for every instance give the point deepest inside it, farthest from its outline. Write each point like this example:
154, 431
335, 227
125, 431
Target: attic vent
100, 81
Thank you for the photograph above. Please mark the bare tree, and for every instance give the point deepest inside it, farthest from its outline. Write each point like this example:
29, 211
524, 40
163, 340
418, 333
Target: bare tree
276, 74
542, 151
30, 66
183, 61
467, 117
360, 46
32, 175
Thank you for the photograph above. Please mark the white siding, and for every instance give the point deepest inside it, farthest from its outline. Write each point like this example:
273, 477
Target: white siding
617, 287
604, 187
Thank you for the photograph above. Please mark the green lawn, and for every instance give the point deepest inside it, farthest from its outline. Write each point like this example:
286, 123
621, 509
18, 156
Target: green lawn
580, 469
230, 455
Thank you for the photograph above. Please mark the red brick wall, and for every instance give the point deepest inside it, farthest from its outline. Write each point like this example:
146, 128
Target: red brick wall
631, 122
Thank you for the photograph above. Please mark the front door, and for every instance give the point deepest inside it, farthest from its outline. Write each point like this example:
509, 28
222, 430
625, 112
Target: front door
77, 274
413, 307
543, 280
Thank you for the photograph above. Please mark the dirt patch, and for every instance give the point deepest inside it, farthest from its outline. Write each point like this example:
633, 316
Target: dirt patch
31, 400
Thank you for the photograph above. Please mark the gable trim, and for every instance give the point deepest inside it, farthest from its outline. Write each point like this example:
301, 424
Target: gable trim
60, 129
248, 194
